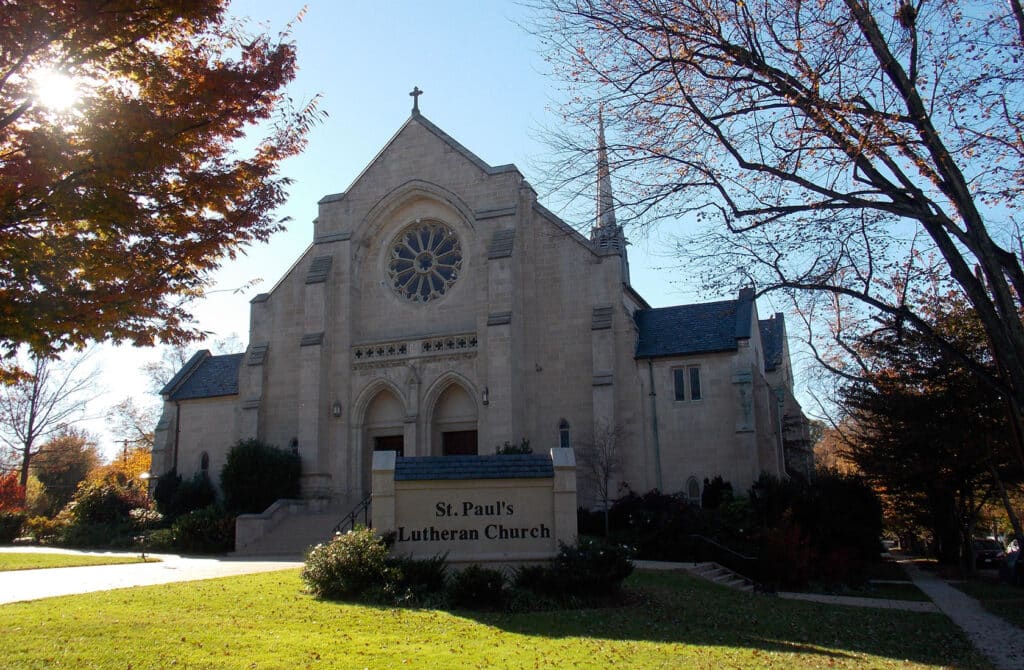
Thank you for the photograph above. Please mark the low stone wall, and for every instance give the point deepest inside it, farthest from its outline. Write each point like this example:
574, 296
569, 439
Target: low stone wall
477, 509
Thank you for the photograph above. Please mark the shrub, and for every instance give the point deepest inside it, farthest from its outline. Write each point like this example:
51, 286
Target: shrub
716, 492
12, 493
509, 449
477, 587
11, 524
44, 529
592, 566
256, 474
415, 580
204, 531
348, 566
175, 497
145, 519
105, 503
157, 540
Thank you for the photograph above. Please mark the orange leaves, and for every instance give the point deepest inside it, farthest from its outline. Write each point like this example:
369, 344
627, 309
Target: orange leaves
144, 194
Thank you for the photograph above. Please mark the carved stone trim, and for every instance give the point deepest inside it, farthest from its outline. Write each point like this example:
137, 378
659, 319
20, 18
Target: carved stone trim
318, 269
601, 318
501, 244
421, 347
499, 318
257, 354
311, 339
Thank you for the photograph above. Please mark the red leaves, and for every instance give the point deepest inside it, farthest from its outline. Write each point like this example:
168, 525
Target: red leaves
112, 215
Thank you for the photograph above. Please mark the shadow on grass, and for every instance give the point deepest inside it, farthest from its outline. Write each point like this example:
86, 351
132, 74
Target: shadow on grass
679, 609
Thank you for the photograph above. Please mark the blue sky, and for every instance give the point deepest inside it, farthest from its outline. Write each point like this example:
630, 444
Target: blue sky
484, 83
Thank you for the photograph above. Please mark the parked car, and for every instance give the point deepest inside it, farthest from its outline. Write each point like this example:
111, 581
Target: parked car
988, 553
1011, 570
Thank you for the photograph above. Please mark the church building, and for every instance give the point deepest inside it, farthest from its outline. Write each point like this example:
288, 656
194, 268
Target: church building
442, 310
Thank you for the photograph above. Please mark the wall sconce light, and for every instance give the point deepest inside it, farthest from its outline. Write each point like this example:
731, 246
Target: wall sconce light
336, 409
486, 397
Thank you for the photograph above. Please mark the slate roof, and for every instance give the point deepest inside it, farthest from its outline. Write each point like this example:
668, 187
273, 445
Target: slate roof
694, 329
205, 376
771, 339
512, 466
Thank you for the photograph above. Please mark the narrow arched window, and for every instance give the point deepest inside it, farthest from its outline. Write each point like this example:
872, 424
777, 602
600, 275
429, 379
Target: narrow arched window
693, 491
204, 463
563, 434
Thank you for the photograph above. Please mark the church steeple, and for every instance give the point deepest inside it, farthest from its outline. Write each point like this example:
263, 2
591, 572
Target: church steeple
607, 235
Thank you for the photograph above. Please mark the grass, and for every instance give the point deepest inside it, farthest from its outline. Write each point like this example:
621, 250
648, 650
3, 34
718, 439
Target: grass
34, 561
1000, 599
265, 621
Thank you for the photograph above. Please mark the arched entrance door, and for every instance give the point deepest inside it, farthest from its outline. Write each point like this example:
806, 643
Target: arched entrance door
453, 430
383, 429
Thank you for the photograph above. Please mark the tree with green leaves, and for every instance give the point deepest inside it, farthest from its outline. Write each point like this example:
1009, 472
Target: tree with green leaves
927, 433
123, 179
64, 461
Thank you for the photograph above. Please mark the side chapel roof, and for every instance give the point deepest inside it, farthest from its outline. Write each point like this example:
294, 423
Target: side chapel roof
694, 329
205, 376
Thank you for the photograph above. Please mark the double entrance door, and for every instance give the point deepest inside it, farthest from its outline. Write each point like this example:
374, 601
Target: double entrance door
453, 443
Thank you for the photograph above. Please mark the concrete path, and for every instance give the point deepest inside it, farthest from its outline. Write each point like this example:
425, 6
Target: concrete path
855, 601
1000, 641
19, 585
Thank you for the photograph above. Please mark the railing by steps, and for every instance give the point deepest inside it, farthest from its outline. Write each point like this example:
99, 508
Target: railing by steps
706, 549
349, 521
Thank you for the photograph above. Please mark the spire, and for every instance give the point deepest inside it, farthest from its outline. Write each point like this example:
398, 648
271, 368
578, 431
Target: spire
605, 205
607, 235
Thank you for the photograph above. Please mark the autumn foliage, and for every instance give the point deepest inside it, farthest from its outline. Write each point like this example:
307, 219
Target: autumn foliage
12, 493
114, 209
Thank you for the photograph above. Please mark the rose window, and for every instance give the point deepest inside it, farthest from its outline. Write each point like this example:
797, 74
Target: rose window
425, 261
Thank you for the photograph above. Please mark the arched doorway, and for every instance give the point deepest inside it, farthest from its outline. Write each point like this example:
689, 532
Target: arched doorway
383, 429
453, 425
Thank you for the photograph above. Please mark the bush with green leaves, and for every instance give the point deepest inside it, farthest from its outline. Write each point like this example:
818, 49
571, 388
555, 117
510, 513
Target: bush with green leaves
255, 475
210, 530
106, 503
175, 496
416, 580
11, 524
477, 587
349, 566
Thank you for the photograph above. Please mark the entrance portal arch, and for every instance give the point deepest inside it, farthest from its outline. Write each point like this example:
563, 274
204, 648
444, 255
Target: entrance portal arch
453, 420
382, 427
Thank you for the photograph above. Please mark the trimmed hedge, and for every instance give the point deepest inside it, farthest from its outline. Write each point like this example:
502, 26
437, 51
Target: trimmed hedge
255, 475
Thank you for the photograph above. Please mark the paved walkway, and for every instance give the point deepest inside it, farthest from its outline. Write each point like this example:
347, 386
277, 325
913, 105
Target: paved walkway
1000, 641
19, 585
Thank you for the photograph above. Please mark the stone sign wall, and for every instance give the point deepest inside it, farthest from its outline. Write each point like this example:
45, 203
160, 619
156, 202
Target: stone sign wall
476, 509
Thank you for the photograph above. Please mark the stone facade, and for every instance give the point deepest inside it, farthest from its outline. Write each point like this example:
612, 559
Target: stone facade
440, 309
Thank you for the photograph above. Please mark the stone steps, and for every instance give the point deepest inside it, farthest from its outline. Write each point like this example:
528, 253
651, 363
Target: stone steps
713, 572
296, 533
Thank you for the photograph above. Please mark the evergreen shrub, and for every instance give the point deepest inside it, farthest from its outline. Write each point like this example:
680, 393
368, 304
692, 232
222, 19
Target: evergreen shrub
255, 475
175, 497
416, 580
204, 531
477, 587
11, 524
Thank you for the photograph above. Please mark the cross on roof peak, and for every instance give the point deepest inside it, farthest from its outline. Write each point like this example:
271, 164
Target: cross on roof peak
415, 93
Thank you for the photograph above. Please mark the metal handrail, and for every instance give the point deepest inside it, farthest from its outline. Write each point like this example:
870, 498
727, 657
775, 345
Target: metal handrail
745, 566
348, 522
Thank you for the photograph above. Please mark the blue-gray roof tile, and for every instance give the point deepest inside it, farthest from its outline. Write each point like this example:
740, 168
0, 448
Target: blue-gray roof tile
210, 377
512, 466
694, 329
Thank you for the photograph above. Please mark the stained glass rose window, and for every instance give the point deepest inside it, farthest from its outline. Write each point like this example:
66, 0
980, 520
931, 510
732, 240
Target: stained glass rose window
425, 259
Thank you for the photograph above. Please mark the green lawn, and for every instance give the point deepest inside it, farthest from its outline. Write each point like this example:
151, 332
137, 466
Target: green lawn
33, 561
265, 621
1000, 599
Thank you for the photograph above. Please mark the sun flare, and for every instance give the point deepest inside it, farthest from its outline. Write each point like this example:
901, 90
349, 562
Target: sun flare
55, 90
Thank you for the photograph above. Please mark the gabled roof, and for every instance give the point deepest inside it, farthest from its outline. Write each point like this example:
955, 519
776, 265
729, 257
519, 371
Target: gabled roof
694, 329
422, 121
205, 376
772, 332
